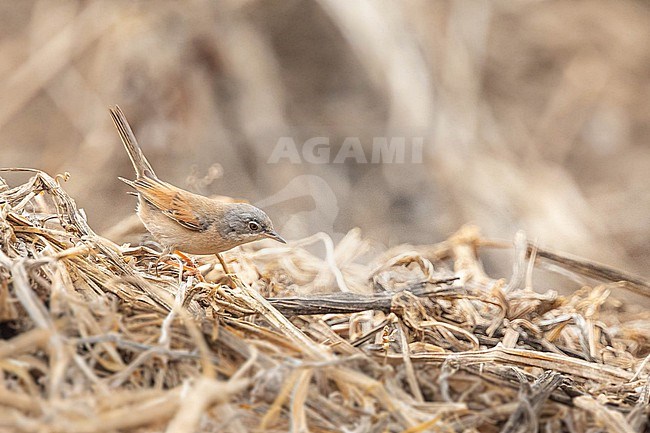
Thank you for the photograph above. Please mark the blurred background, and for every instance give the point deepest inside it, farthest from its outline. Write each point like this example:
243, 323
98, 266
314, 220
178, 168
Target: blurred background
533, 115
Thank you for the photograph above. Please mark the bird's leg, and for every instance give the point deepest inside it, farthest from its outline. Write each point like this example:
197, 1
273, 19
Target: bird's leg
189, 262
190, 265
225, 267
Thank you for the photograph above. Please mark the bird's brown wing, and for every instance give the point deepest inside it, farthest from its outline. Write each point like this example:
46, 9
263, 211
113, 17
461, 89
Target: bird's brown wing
175, 203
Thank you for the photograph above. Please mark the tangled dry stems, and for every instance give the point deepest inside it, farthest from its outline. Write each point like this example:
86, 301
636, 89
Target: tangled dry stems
100, 337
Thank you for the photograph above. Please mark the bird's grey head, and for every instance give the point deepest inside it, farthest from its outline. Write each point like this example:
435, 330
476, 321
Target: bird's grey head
244, 223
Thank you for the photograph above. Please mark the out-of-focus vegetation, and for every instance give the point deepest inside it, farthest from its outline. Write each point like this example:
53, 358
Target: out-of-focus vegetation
534, 114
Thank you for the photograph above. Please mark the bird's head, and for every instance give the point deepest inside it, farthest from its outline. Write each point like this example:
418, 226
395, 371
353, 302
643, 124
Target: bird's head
243, 223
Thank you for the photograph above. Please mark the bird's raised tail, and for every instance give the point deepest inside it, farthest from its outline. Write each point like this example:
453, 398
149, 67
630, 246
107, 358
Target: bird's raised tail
140, 163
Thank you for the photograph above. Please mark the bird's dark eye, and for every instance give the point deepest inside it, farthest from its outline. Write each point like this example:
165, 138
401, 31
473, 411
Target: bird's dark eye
253, 226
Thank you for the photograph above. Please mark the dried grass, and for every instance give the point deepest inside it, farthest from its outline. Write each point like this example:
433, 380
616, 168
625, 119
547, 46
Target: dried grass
99, 337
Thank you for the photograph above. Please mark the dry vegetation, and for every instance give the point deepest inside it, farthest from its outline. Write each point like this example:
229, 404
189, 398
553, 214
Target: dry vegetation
99, 337
534, 115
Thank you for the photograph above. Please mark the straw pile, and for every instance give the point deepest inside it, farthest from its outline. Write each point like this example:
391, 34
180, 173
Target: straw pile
99, 337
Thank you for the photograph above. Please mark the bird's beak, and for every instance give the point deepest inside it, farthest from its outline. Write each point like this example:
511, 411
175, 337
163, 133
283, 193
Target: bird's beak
275, 236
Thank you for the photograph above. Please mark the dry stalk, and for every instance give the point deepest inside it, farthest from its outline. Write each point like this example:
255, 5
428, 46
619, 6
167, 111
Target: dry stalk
99, 337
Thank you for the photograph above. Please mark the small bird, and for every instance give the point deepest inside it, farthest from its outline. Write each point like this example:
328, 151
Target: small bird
184, 221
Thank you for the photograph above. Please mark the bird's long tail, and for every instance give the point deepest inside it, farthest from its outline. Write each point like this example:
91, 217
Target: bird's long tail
140, 163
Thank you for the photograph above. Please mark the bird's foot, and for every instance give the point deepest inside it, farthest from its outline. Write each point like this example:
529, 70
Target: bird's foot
189, 266
225, 267
230, 275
